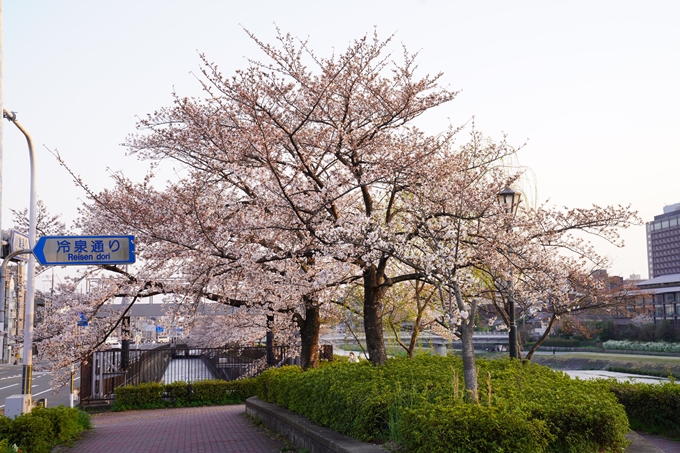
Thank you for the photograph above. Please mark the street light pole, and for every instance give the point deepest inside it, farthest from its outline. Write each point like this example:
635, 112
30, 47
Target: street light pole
509, 199
27, 375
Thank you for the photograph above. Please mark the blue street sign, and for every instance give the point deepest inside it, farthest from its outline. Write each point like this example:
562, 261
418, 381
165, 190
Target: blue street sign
84, 250
159, 329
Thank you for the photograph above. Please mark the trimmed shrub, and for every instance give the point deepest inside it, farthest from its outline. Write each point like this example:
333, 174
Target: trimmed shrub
651, 408
368, 403
182, 394
625, 345
464, 428
211, 392
43, 428
64, 422
148, 395
179, 393
242, 389
84, 421
31, 434
5, 424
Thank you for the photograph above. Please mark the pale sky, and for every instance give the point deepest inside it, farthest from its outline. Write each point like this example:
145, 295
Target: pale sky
592, 87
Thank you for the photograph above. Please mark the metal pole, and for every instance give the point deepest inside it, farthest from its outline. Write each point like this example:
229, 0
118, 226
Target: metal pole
73, 387
2, 100
513, 325
27, 375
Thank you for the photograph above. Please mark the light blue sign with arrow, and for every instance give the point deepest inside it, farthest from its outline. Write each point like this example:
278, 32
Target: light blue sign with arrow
84, 250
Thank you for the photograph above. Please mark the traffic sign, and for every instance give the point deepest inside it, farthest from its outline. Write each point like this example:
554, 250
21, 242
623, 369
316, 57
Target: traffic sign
84, 250
18, 241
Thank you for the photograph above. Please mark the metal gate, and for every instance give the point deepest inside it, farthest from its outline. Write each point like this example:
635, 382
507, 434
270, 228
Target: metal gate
104, 371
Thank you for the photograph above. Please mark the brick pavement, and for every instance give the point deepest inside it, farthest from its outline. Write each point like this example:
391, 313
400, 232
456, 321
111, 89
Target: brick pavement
212, 429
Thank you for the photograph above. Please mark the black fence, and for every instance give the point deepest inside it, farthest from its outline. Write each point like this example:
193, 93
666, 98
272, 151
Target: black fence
104, 371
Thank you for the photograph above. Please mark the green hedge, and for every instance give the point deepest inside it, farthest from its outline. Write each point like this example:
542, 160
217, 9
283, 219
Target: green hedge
463, 428
181, 394
651, 408
402, 401
43, 428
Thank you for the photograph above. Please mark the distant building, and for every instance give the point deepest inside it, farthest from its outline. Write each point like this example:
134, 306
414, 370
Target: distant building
633, 304
663, 242
665, 291
611, 282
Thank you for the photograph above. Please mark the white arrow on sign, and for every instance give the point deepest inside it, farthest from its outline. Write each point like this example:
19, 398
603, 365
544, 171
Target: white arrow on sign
84, 250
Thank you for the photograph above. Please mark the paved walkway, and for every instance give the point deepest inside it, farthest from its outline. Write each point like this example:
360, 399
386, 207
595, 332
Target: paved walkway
665, 445
211, 429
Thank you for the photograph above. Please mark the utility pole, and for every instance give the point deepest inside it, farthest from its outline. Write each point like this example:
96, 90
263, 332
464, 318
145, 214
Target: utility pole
18, 404
2, 100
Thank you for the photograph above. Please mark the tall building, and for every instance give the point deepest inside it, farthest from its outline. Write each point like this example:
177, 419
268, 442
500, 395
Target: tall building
663, 242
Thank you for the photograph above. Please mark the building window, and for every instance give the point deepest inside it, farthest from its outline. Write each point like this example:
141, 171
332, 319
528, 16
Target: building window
658, 311
670, 310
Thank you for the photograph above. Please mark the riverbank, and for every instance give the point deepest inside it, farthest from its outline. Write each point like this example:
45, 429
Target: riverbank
643, 365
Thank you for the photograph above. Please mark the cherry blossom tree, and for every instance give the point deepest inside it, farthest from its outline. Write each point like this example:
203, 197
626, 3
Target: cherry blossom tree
206, 245
325, 154
303, 176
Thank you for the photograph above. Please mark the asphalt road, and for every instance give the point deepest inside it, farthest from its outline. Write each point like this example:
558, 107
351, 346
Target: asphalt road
10, 384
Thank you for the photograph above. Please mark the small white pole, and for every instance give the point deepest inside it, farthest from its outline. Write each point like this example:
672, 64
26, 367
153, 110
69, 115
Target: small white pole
73, 386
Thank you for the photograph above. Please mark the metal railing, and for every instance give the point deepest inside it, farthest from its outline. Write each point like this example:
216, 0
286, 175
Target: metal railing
104, 371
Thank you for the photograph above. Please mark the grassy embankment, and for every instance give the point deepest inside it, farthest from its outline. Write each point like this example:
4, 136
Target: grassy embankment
663, 366
651, 365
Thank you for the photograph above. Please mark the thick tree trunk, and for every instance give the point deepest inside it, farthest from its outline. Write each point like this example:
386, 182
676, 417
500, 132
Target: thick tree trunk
373, 315
309, 336
469, 364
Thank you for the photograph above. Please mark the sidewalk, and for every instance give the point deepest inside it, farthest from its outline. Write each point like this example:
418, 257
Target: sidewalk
209, 429
223, 429
664, 445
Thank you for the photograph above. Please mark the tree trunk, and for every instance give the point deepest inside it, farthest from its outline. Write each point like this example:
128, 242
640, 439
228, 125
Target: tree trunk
271, 360
530, 355
469, 364
309, 336
419, 318
467, 328
373, 313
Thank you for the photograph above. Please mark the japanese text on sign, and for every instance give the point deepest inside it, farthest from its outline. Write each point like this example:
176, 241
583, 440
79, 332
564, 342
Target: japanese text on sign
83, 250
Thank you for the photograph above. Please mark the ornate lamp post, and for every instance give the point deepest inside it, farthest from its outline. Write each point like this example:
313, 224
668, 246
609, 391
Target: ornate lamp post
509, 199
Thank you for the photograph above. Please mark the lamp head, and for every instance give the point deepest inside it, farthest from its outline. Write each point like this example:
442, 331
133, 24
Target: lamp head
509, 199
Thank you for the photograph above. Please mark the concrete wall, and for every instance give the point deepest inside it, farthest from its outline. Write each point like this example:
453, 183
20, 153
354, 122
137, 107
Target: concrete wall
304, 434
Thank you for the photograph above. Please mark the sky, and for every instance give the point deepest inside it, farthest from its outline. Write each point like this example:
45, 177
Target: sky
589, 89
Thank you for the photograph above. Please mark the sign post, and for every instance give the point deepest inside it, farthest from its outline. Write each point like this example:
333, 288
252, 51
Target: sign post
84, 250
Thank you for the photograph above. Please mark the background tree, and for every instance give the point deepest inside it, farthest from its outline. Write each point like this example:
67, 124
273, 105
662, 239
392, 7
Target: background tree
410, 307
